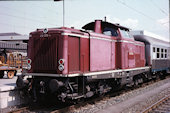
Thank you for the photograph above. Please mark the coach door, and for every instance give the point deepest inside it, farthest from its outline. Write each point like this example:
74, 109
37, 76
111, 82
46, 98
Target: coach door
73, 54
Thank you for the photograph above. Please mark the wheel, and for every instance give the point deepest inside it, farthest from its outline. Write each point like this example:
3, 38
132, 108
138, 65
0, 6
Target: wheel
136, 82
10, 74
1, 74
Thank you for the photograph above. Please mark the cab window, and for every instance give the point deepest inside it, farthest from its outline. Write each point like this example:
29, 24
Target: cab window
110, 31
125, 34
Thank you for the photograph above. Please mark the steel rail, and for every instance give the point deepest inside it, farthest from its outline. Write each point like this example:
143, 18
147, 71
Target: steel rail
20, 110
156, 104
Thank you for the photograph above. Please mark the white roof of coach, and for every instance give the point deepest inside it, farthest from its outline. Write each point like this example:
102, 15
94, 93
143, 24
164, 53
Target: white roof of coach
151, 38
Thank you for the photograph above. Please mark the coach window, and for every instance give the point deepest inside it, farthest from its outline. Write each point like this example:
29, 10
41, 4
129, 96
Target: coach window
165, 53
154, 49
162, 53
158, 50
154, 53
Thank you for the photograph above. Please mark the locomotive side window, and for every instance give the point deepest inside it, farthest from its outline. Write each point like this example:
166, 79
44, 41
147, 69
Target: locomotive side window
162, 53
157, 56
107, 33
110, 31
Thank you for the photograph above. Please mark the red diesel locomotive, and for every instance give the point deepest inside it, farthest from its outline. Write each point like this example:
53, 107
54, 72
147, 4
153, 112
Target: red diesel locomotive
72, 64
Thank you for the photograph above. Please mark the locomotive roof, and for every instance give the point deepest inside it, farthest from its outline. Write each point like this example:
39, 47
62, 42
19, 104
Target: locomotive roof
90, 26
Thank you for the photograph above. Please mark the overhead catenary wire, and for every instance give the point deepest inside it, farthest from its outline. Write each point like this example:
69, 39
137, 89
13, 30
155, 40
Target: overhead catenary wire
30, 19
11, 26
139, 12
162, 10
24, 16
20, 26
49, 10
165, 22
22, 11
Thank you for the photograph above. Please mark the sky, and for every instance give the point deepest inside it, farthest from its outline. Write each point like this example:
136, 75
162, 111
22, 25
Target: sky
26, 16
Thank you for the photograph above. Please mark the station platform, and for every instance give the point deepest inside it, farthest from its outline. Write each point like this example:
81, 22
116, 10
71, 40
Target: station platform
9, 94
7, 84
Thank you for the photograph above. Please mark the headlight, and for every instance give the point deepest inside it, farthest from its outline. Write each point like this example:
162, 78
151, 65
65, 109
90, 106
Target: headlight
29, 67
29, 61
61, 61
61, 67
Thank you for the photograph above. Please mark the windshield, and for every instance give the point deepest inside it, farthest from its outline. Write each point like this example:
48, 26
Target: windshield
125, 34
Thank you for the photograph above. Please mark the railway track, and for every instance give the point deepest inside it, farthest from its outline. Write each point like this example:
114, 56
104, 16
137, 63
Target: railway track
72, 108
161, 106
61, 109
20, 110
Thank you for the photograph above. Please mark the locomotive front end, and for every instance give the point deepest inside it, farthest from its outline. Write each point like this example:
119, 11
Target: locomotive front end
44, 52
45, 63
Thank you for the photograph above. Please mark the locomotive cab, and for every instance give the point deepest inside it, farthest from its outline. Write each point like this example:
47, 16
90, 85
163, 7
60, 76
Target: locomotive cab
102, 27
129, 53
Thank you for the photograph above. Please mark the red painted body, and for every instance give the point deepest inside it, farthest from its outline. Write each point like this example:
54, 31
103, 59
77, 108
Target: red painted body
98, 28
83, 51
102, 53
130, 53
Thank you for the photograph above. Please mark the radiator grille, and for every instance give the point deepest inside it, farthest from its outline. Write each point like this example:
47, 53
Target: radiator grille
45, 54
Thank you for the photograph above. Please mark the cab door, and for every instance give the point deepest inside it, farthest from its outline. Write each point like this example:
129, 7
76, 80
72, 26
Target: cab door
73, 54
